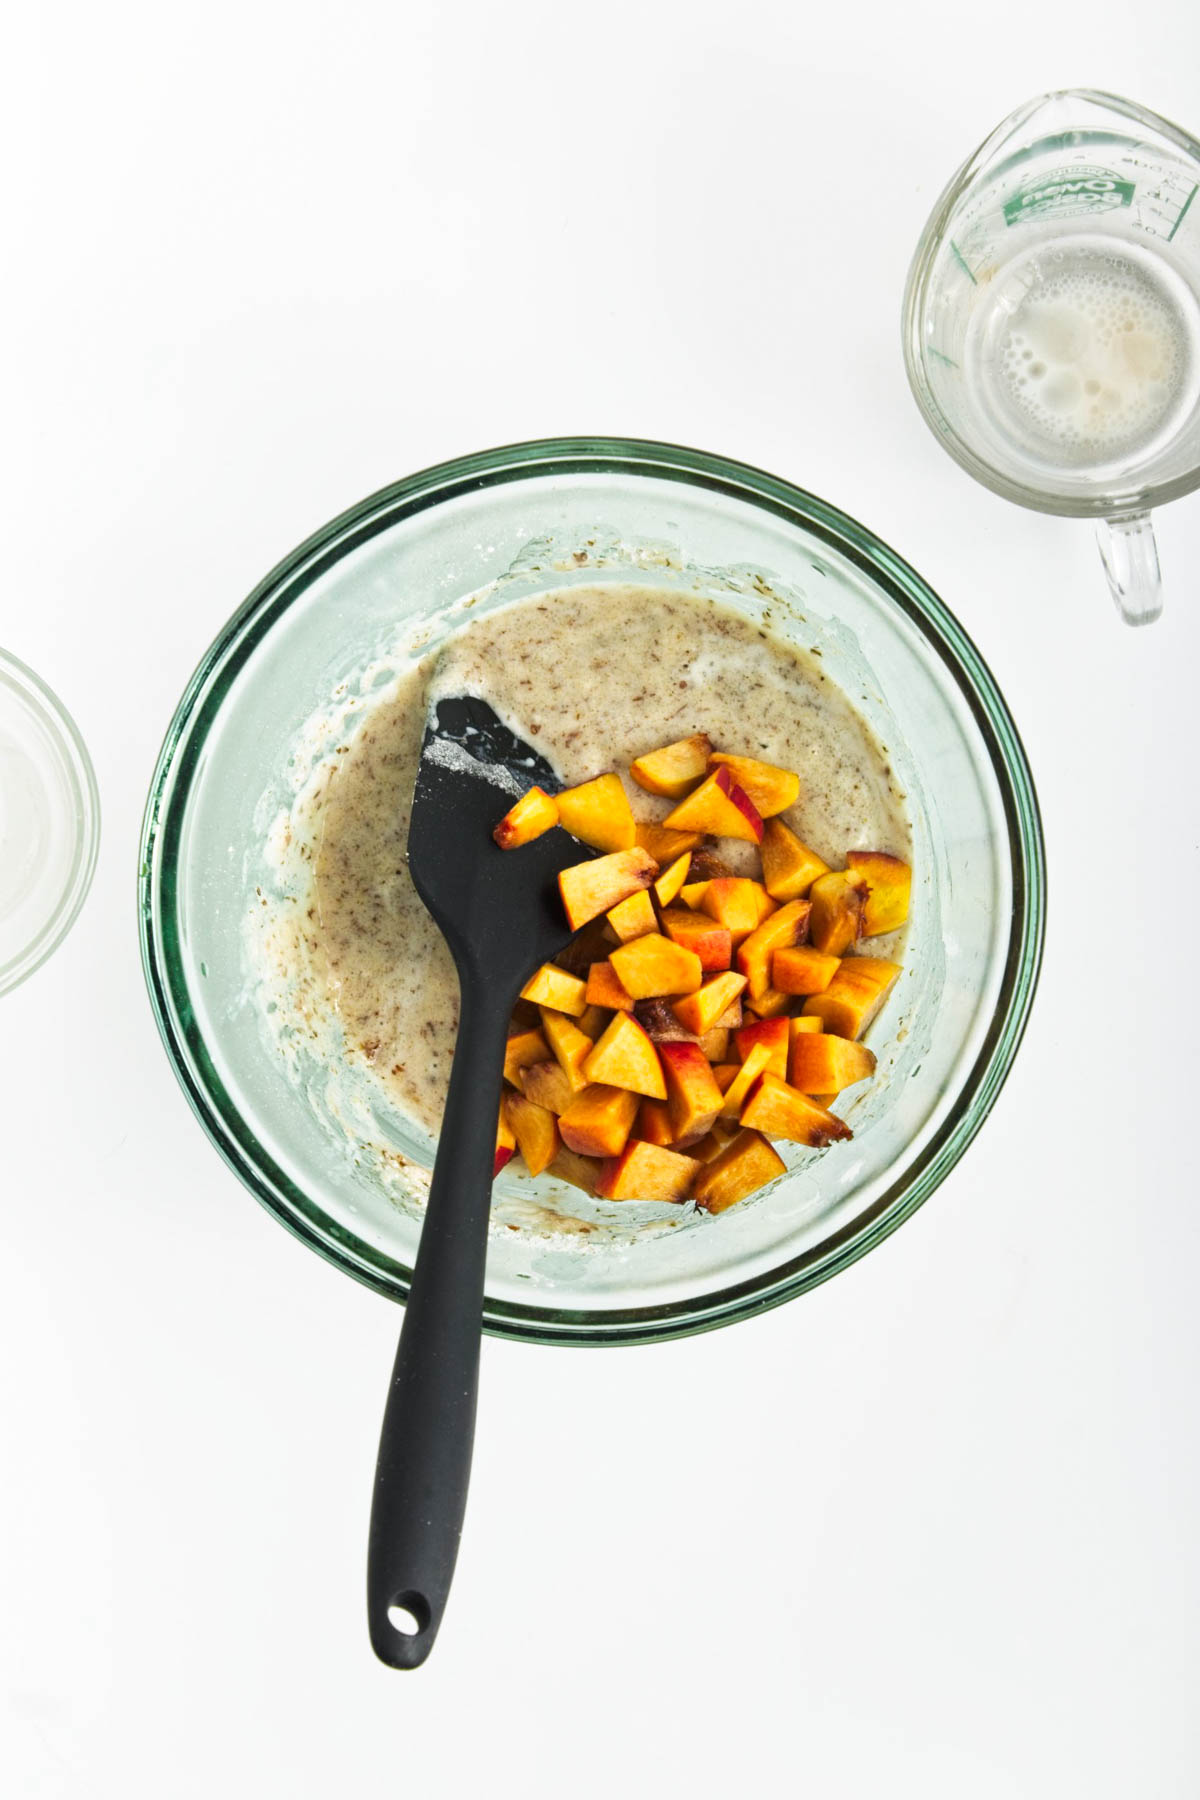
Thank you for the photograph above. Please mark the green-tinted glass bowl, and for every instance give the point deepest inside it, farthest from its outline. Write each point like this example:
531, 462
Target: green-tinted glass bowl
531, 518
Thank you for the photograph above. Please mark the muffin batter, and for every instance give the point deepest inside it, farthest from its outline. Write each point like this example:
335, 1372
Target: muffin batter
593, 676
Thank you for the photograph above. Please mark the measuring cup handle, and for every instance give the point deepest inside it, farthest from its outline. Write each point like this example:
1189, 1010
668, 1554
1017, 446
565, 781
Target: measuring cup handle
1130, 557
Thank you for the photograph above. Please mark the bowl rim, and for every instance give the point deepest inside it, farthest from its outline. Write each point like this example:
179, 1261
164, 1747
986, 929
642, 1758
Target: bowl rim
201, 700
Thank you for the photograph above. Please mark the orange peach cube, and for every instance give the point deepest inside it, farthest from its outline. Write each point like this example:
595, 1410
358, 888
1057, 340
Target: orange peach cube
789, 867
654, 965
774, 1034
854, 995
701, 934
598, 813
535, 1129
625, 1057
634, 917
731, 901
646, 1172
534, 813
745, 1165
523, 1048
788, 925
571, 1046
669, 883
653, 1123
819, 1063
604, 989
674, 769
553, 987
693, 1097
599, 1120
700, 1011
837, 911
800, 969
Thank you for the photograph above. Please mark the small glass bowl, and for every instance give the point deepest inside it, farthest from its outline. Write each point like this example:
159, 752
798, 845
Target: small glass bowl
49, 822
528, 519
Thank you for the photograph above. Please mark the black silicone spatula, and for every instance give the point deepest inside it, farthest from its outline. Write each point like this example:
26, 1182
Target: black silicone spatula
501, 915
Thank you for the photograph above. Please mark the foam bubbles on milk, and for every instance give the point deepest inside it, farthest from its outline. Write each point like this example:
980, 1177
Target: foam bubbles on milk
1092, 359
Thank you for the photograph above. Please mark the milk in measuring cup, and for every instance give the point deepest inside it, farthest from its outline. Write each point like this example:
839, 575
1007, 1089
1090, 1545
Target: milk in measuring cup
1086, 355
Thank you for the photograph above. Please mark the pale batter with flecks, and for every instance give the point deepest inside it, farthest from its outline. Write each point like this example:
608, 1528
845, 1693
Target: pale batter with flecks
593, 677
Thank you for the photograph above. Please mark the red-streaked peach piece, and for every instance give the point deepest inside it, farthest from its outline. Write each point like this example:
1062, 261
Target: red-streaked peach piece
776, 1037
506, 1142
701, 934
720, 808
534, 813
889, 886
772, 790
778, 1111
591, 888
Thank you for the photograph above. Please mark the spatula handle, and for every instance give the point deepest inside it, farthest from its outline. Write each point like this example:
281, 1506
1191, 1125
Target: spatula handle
424, 1463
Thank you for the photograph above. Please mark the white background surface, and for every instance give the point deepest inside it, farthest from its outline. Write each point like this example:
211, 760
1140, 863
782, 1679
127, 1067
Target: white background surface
928, 1531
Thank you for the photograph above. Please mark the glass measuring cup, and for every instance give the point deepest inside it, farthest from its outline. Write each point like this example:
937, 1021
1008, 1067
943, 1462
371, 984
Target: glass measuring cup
1052, 322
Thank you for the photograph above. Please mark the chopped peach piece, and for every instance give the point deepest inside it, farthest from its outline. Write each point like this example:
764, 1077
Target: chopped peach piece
720, 808
553, 987
536, 1132
700, 933
837, 911
757, 1062
770, 789
731, 901
822, 1064
653, 1123
779, 1111
745, 1165
633, 917
693, 1096
523, 1048
599, 1120
726, 1073
506, 1142
774, 1034
546, 1084
646, 1172
889, 886
789, 867
715, 1044
692, 892
667, 887
797, 1027
605, 989
786, 926
579, 1171
657, 1019
674, 769
802, 970
654, 965
770, 1004
598, 813
625, 1057
766, 906
701, 1010
664, 846
571, 1046
854, 995
591, 888
534, 813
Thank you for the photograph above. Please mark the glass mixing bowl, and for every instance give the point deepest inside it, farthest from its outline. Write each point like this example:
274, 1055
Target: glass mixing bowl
408, 565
